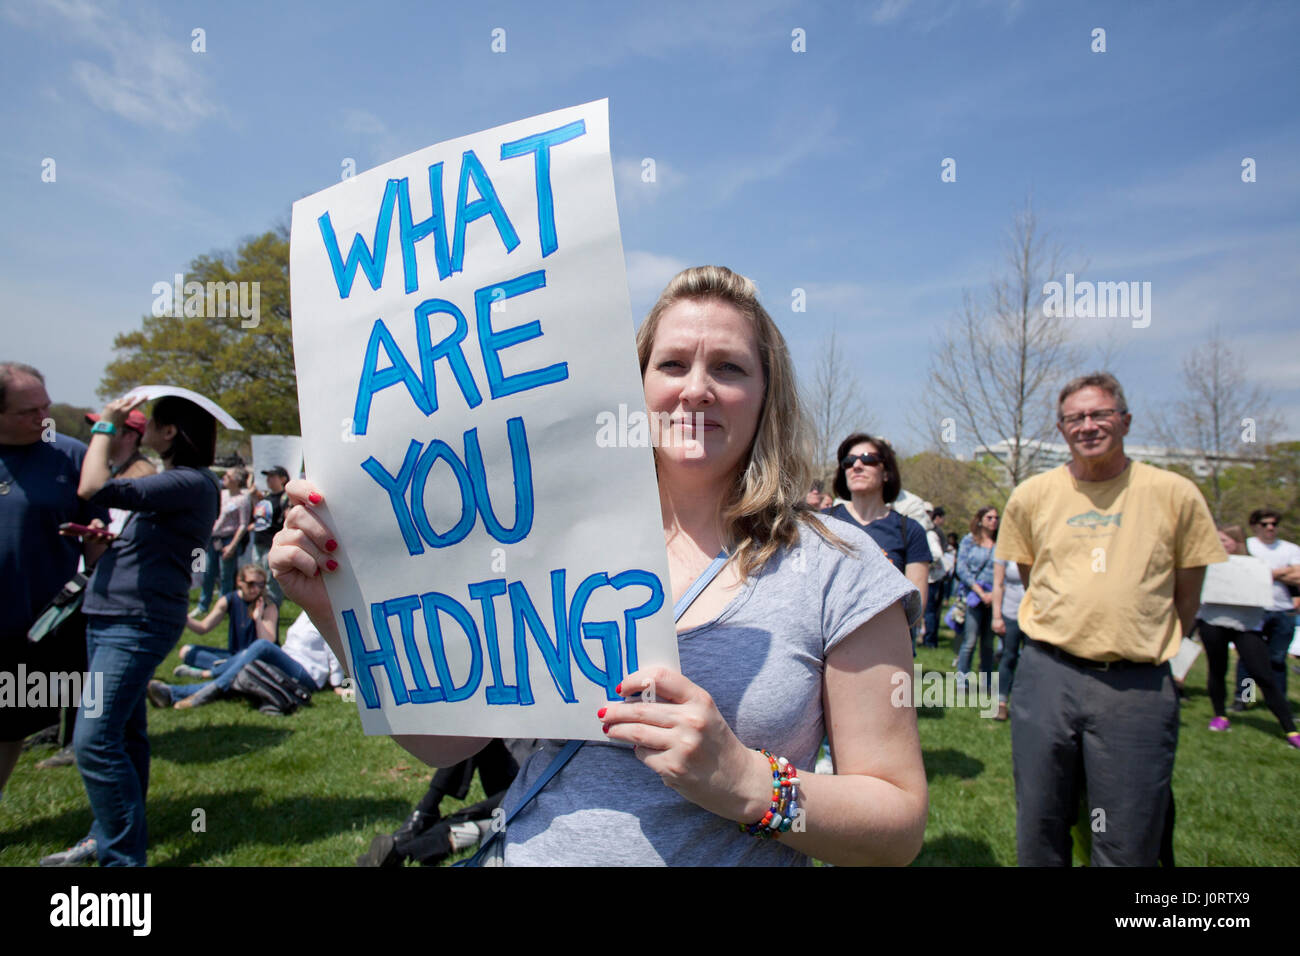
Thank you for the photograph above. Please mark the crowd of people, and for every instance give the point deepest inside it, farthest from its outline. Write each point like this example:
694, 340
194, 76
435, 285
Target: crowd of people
1080, 592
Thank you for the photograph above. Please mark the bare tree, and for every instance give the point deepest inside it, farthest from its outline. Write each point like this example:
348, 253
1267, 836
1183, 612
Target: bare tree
994, 374
1220, 417
834, 403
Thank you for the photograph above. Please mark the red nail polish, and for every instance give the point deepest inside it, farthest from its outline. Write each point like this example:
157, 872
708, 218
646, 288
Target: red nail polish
605, 728
317, 572
600, 714
315, 498
332, 564
619, 688
331, 545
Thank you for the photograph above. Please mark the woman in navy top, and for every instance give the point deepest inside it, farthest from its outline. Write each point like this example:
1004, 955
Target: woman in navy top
867, 475
135, 606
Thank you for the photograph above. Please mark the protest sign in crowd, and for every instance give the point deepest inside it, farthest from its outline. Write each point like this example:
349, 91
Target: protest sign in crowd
707, 659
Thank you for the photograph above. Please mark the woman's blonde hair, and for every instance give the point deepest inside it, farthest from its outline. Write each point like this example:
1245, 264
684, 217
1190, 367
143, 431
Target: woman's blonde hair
759, 513
1234, 532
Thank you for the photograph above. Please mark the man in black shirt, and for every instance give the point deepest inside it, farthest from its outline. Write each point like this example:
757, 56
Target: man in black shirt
276, 479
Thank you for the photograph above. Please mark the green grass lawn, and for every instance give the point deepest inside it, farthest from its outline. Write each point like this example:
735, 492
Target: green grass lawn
311, 789
1234, 792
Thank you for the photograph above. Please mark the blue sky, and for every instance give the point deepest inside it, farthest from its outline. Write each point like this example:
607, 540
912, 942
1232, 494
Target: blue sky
817, 170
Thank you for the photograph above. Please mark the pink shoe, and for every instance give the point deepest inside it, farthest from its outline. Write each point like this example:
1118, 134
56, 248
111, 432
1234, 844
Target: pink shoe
1219, 723
1293, 740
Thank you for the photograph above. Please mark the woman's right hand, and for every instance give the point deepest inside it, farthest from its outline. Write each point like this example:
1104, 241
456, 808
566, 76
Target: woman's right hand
999, 625
302, 551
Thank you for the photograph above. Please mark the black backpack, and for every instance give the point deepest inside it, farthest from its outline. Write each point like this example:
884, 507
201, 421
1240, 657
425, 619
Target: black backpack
270, 689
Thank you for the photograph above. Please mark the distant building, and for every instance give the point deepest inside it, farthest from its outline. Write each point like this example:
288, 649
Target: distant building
1048, 455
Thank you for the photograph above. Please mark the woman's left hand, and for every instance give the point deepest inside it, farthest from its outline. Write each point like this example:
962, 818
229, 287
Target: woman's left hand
680, 735
94, 546
117, 410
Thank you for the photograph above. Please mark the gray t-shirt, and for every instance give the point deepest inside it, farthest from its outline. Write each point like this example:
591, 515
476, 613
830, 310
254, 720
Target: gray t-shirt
761, 660
1013, 591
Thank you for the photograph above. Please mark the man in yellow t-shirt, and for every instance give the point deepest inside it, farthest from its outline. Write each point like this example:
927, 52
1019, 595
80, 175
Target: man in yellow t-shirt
1112, 553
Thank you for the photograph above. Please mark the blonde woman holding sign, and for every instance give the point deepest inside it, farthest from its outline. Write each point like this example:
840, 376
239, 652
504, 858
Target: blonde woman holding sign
802, 629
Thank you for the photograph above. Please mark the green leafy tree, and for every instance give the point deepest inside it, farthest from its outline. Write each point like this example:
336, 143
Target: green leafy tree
962, 487
1271, 482
248, 371
70, 420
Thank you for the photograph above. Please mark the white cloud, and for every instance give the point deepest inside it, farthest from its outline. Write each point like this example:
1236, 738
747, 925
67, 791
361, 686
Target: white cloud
647, 274
926, 15
363, 123
888, 11
138, 72
634, 192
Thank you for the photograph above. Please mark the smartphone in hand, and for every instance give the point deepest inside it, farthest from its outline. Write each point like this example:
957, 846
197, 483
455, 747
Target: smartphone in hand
73, 529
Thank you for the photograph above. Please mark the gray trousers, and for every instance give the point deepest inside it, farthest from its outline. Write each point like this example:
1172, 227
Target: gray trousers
1109, 734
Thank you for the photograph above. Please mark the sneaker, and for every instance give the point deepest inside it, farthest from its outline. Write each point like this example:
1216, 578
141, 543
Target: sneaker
62, 758
206, 695
194, 673
45, 738
158, 694
1293, 740
83, 852
1238, 706
1219, 723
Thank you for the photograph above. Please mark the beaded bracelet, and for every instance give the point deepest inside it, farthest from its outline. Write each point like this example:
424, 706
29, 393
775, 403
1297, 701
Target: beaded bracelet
785, 800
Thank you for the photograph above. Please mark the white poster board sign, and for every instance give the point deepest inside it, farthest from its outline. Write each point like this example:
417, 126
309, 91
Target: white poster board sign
1241, 581
154, 392
272, 450
460, 322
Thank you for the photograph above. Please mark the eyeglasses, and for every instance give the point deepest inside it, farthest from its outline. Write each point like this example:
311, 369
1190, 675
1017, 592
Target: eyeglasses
1267, 524
254, 584
870, 458
1100, 416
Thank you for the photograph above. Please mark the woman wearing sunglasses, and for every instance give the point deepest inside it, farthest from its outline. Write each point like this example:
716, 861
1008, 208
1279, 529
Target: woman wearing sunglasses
867, 476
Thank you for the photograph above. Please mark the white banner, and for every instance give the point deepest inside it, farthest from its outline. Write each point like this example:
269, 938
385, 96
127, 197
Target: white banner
460, 323
1241, 581
270, 451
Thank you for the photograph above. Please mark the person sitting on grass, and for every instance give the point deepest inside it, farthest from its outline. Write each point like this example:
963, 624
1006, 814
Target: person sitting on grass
305, 657
253, 616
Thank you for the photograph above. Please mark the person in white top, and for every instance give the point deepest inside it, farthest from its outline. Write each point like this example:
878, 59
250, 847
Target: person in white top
305, 657
1283, 559
1239, 623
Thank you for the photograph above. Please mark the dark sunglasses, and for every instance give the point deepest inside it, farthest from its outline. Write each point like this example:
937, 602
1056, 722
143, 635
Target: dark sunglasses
870, 458
1268, 524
